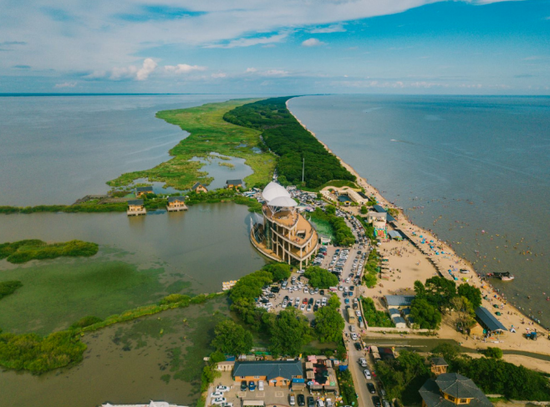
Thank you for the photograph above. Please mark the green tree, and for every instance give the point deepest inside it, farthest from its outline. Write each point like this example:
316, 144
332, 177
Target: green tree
473, 294
329, 323
495, 353
231, 338
425, 315
364, 210
279, 271
320, 278
464, 313
448, 350
440, 292
289, 332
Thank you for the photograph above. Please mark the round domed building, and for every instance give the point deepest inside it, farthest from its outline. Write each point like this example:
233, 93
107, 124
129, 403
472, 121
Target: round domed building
284, 235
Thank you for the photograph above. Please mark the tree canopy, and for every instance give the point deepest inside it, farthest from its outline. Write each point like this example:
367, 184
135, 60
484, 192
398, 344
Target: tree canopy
473, 294
231, 338
9, 287
320, 278
286, 137
329, 323
425, 315
289, 331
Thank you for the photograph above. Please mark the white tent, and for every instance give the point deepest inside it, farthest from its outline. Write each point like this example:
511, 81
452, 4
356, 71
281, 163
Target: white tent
283, 201
274, 190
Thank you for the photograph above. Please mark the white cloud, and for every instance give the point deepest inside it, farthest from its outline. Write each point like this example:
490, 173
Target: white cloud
148, 67
183, 68
275, 72
129, 72
219, 75
248, 42
250, 70
65, 85
335, 28
312, 42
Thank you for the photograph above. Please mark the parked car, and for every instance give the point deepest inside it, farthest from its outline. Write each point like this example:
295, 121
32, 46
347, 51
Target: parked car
357, 345
354, 336
219, 400
301, 400
244, 385
251, 385
223, 389
371, 388
376, 401
366, 372
363, 362
260, 385
292, 399
216, 394
310, 402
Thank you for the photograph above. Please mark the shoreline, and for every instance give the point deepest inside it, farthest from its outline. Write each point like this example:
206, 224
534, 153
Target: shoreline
396, 252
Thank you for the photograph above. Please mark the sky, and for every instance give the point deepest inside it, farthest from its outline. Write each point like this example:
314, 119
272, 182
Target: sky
275, 47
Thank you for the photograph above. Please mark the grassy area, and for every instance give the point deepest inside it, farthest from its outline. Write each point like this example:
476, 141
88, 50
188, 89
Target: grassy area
88, 207
208, 133
34, 249
374, 317
347, 388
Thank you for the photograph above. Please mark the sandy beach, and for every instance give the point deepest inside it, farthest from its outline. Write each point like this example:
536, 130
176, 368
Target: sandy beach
408, 262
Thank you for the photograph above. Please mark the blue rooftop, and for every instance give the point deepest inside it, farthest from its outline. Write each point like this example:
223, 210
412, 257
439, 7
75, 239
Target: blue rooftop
488, 320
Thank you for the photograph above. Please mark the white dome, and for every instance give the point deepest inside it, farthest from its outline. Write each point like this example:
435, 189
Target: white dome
274, 190
282, 201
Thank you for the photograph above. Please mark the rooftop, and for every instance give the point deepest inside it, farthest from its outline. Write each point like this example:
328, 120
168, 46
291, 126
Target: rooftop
234, 182
270, 369
488, 320
175, 199
454, 385
135, 202
144, 189
399, 300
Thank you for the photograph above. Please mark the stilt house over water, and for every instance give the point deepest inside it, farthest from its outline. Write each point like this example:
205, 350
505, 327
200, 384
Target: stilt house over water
135, 208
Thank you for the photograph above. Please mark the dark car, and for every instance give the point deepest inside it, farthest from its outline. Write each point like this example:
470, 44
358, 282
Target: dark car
310, 302
357, 345
322, 292
310, 402
244, 385
376, 401
315, 308
301, 400
251, 385
372, 389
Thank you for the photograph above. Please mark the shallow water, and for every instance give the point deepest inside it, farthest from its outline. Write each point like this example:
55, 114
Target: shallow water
128, 363
475, 170
191, 252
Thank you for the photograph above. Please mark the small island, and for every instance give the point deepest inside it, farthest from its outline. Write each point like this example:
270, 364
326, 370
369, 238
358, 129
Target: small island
34, 249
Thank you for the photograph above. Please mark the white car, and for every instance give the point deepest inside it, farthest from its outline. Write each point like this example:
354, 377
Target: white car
216, 394
354, 336
366, 372
219, 400
227, 405
223, 389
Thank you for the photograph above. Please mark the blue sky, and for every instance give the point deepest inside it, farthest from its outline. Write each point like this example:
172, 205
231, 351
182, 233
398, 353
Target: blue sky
266, 47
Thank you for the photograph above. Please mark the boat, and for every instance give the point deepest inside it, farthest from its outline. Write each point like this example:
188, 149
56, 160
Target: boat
504, 276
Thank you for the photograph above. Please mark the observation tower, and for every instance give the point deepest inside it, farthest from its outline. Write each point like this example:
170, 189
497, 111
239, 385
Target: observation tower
285, 235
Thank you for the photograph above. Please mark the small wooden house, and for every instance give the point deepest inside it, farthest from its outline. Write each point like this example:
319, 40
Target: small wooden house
140, 191
438, 365
198, 188
135, 208
176, 204
234, 183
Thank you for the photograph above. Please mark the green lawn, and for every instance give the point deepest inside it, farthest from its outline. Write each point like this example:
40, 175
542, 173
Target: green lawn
208, 133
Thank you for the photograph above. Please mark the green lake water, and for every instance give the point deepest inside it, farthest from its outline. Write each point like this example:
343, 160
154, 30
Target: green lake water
140, 261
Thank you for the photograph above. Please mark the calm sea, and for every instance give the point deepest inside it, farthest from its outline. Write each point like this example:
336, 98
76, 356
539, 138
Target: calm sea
475, 170
56, 149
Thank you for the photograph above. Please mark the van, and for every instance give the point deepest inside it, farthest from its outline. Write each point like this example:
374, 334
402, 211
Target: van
260, 385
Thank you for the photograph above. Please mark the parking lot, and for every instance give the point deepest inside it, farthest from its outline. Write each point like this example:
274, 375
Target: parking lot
271, 396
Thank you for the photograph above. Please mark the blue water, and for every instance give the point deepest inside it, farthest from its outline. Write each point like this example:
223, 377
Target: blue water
458, 166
